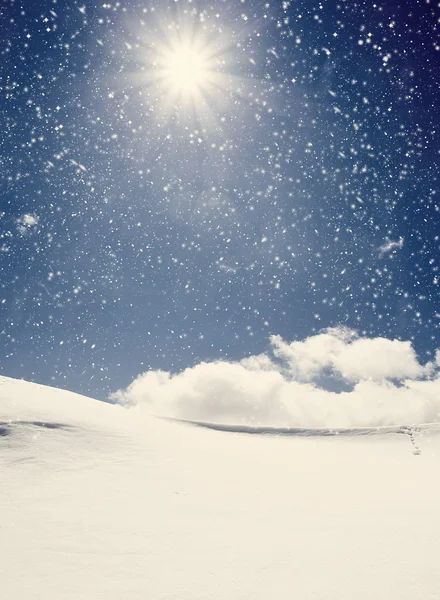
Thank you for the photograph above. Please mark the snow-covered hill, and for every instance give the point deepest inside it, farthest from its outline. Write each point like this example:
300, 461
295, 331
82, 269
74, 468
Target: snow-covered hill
102, 502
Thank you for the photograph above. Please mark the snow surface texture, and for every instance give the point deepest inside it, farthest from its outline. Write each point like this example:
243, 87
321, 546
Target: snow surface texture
102, 502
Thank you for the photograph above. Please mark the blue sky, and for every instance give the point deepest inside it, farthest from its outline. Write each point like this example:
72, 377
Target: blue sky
130, 242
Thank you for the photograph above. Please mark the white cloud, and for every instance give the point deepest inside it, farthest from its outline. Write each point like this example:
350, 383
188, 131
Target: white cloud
27, 222
354, 359
385, 385
390, 245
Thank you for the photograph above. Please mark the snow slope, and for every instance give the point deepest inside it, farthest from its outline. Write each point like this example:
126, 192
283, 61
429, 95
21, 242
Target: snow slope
102, 502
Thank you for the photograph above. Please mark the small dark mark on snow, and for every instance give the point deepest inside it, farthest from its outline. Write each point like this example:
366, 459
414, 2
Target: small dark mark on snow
7, 427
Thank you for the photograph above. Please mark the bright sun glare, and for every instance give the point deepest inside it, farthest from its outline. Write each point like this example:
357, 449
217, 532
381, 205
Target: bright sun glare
184, 70
187, 70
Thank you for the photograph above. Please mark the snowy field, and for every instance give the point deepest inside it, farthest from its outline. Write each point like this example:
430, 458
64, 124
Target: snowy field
100, 502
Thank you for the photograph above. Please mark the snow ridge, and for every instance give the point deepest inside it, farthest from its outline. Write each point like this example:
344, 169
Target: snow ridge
307, 431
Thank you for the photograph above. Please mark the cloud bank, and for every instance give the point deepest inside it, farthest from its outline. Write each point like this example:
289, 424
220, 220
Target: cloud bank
332, 379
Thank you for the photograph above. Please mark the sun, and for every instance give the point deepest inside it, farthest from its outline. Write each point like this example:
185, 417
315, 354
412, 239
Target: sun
187, 71
184, 70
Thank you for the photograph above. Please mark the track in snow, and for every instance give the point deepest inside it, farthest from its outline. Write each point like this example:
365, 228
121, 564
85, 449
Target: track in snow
308, 431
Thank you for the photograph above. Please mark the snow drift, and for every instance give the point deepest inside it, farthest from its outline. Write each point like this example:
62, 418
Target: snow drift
102, 502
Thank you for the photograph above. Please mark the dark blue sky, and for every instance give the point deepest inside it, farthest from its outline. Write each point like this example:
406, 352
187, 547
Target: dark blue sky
130, 243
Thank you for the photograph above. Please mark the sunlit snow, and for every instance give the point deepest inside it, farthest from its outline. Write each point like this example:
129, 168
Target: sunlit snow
100, 502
